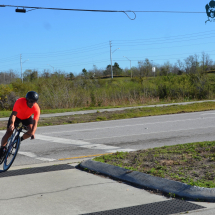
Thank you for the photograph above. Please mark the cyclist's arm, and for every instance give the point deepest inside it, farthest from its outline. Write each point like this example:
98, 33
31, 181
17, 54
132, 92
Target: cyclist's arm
12, 120
35, 120
34, 128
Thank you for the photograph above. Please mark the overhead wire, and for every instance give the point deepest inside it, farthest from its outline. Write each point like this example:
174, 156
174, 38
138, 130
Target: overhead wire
161, 42
78, 60
80, 48
103, 11
63, 54
173, 54
78, 10
163, 59
169, 37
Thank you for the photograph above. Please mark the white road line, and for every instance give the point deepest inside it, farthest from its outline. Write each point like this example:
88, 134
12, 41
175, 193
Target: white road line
61, 140
28, 154
150, 133
45, 159
32, 155
79, 143
122, 126
122, 150
99, 146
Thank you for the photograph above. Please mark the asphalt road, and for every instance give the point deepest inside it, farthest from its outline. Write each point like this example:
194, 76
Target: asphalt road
76, 192
71, 141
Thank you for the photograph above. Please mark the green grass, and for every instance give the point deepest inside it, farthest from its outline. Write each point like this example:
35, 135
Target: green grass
49, 111
117, 114
195, 107
191, 163
5, 114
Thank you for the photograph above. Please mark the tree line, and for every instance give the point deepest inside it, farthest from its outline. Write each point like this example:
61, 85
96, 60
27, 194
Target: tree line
191, 65
183, 81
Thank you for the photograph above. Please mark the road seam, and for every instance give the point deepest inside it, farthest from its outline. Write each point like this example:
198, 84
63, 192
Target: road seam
87, 156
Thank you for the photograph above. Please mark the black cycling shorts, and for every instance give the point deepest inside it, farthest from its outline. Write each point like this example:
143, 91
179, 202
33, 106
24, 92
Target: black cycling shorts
25, 122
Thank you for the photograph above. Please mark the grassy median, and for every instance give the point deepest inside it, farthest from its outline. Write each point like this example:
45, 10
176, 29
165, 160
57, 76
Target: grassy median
192, 163
124, 114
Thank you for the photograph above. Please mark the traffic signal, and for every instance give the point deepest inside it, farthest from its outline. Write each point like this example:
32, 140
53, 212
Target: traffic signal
21, 10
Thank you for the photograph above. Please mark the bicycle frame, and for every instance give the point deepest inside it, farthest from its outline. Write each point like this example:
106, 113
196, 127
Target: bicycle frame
12, 147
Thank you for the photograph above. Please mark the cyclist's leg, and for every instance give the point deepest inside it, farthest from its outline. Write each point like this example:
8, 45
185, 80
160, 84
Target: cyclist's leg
28, 123
6, 137
8, 132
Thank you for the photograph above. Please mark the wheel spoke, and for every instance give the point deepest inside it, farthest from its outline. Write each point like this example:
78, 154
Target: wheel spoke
11, 154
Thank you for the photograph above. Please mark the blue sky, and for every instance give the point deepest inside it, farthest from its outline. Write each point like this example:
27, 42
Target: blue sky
70, 41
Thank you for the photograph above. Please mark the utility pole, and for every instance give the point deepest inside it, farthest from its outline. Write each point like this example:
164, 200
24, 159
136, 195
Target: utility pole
111, 61
21, 67
130, 66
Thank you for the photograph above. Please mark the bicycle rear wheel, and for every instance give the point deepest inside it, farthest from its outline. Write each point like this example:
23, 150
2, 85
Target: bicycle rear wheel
12, 150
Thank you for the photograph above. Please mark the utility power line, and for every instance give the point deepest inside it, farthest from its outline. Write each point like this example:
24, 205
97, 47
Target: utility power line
78, 56
104, 11
68, 9
23, 10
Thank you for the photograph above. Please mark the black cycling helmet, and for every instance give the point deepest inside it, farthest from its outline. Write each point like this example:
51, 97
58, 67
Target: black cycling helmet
33, 96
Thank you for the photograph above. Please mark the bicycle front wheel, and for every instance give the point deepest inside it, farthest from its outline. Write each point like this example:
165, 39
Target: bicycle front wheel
11, 153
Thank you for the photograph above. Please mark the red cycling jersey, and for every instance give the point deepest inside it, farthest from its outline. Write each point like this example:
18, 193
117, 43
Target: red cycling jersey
24, 112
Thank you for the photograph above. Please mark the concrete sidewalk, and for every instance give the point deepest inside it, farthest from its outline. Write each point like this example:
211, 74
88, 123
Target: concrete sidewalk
152, 182
69, 191
72, 191
109, 110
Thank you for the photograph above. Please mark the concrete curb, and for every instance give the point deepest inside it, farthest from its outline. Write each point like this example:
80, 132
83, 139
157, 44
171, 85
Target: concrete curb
152, 182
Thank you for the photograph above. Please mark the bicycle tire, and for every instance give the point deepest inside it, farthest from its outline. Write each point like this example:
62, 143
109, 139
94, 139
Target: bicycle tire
12, 151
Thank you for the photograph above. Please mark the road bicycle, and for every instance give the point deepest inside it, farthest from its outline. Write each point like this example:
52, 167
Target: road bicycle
12, 147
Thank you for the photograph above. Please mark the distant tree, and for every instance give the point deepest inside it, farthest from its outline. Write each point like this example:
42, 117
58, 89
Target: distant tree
7, 77
70, 76
206, 62
191, 64
46, 73
116, 69
84, 73
135, 71
30, 75
107, 71
165, 69
141, 68
180, 67
147, 67
34, 75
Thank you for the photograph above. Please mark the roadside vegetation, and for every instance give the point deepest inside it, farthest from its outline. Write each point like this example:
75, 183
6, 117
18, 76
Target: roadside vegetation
192, 163
190, 80
122, 114
57, 92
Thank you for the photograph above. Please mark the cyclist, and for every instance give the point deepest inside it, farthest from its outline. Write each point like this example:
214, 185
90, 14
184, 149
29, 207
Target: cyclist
23, 110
